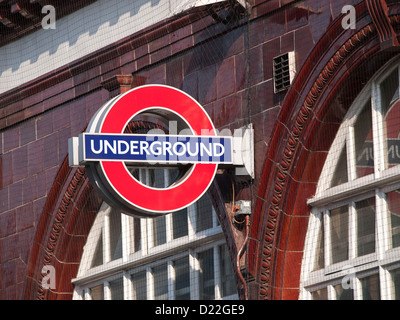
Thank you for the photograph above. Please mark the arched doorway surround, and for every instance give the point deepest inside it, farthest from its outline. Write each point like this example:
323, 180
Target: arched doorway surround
333, 75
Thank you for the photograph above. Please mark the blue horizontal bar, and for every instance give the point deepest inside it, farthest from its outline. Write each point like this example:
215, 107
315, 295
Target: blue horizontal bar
162, 148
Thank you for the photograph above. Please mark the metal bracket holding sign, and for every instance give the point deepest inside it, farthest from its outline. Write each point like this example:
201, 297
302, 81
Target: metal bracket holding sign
105, 151
243, 152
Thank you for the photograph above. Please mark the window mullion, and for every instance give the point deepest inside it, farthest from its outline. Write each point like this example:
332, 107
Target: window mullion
144, 237
385, 283
107, 238
127, 283
353, 241
87, 294
377, 131
327, 240
351, 154
78, 294
171, 280
217, 274
194, 275
383, 242
150, 283
168, 217
305, 294
150, 222
150, 233
168, 226
382, 230
107, 291
315, 227
331, 292
126, 236
191, 214
357, 289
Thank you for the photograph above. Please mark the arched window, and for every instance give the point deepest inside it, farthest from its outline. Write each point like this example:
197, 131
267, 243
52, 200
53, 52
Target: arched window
352, 248
178, 256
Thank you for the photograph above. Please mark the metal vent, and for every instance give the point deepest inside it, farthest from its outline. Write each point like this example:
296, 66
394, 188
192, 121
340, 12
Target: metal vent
284, 71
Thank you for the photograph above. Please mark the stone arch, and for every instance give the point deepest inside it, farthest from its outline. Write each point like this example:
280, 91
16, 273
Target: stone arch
66, 219
294, 160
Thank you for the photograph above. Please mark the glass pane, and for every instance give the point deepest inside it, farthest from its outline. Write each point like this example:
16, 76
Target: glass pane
182, 279
395, 223
117, 289
157, 178
206, 275
341, 174
174, 174
227, 276
139, 286
159, 231
160, 275
393, 202
344, 294
204, 218
365, 226
97, 293
115, 235
339, 220
321, 294
136, 238
135, 172
396, 283
363, 142
180, 224
391, 112
370, 287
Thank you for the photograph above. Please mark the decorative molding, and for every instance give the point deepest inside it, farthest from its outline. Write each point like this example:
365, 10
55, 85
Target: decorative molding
378, 11
50, 247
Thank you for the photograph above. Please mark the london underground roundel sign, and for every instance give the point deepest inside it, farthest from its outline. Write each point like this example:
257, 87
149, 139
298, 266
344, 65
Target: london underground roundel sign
105, 151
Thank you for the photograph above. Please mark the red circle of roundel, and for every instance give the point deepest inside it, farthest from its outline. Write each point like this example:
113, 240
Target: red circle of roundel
129, 189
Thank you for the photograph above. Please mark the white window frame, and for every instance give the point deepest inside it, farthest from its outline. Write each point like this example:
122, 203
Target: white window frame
148, 256
382, 181
83, 284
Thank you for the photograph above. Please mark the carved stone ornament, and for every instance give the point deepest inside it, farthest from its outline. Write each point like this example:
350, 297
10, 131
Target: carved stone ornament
378, 11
